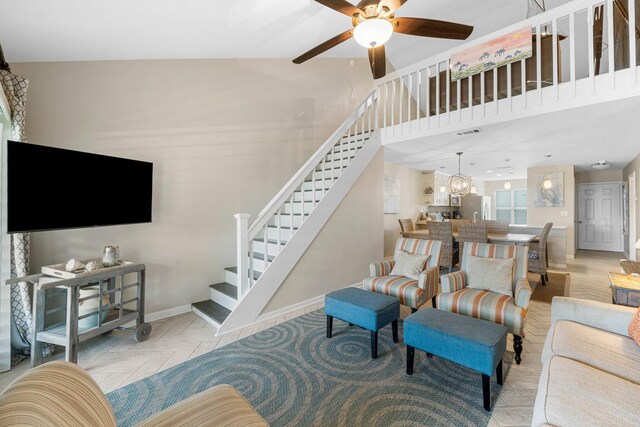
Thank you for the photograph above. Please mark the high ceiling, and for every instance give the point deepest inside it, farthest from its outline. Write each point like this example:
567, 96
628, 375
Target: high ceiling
610, 134
81, 30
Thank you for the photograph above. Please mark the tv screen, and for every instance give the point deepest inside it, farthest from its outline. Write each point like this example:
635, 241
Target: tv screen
52, 188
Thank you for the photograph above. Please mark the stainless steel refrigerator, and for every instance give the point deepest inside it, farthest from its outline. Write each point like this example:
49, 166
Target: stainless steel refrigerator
476, 207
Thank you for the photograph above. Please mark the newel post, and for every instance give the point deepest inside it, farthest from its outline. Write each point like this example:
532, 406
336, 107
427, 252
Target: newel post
242, 245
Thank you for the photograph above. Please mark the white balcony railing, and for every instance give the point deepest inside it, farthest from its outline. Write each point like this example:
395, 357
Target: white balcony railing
581, 50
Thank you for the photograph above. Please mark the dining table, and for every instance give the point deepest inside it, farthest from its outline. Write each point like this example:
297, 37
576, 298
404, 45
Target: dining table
502, 238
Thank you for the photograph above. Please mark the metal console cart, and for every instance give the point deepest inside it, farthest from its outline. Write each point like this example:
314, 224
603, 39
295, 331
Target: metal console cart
111, 282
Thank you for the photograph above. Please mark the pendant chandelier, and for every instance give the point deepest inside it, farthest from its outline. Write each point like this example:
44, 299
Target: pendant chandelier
459, 185
507, 183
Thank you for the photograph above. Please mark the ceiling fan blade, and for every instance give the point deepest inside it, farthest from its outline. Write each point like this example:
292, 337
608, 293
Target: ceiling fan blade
432, 28
378, 61
392, 5
342, 6
332, 42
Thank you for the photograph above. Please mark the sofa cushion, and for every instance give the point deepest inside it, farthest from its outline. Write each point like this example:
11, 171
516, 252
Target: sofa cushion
571, 393
409, 265
491, 274
634, 327
606, 351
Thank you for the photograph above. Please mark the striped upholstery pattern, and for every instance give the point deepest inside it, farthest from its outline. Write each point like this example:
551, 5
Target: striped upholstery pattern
63, 394
508, 311
55, 394
409, 291
403, 288
381, 268
220, 406
522, 293
452, 282
486, 305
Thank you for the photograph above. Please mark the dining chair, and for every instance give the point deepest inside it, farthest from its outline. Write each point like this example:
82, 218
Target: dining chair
406, 225
456, 222
495, 226
443, 231
538, 255
471, 233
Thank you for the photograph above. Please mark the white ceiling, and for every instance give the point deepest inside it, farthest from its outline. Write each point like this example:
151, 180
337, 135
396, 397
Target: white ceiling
80, 30
609, 134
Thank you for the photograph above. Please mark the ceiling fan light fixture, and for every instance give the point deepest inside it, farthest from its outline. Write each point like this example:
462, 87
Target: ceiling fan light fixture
373, 32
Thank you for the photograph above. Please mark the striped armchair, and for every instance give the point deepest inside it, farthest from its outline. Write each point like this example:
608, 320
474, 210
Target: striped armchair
410, 292
510, 311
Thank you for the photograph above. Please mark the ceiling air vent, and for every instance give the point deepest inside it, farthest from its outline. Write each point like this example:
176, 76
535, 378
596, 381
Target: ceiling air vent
469, 132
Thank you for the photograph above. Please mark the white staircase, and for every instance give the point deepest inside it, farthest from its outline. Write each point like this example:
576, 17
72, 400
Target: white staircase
295, 215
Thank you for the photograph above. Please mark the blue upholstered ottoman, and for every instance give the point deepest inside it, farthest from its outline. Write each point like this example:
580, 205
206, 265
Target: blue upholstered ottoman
369, 310
474, 343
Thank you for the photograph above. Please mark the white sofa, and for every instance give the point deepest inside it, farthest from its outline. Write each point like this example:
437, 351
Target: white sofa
591, 367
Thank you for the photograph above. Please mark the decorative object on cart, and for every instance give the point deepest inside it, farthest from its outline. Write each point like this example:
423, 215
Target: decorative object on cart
512, 47
553, 196
93, 265
428, 190
459, 185
391, 195
111, 256
373, 25
507, 183
74, 265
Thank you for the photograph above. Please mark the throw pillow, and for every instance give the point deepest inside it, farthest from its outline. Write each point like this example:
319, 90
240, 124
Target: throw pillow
634, 327
491, 274
409, 265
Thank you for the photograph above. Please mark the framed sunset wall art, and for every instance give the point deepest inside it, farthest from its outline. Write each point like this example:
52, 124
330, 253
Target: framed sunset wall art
509, 48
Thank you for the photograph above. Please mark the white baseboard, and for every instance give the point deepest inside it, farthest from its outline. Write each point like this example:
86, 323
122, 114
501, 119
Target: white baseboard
288, 309
163, 314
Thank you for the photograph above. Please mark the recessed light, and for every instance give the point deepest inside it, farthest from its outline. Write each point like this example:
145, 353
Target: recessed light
547, 155
499, 174
602, 164
472, 164
489, 171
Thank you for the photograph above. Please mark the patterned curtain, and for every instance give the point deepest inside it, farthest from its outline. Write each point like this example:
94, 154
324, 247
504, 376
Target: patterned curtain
15, 89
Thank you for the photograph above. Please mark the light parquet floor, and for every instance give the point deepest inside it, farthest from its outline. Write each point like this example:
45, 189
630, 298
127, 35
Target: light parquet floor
117, 360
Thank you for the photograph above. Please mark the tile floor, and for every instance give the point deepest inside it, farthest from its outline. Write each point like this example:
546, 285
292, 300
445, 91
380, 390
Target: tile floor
117, 360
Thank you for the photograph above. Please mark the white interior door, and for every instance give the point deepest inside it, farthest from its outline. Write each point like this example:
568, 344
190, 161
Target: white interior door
600, 217
633, 200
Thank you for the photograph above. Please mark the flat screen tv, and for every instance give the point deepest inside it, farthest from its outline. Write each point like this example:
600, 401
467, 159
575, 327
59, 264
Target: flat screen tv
52, 188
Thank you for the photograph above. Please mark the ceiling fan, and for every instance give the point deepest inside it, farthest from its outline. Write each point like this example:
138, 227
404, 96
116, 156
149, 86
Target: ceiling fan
374, 23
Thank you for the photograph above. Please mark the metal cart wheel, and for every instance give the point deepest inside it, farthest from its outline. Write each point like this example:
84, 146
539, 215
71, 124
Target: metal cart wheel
143, 331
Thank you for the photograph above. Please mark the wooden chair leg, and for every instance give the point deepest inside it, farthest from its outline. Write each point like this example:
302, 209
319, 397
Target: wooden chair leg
413, 310
374, 344
434, 303
329, 326
544, 283
499, 373
394, 330
517, 348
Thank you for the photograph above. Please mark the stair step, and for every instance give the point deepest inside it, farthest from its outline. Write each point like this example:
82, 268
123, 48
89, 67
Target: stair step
259, 256
211, 310
226, 288
234, 270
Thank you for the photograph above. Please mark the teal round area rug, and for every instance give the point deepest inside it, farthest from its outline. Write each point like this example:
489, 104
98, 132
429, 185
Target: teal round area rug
294, 376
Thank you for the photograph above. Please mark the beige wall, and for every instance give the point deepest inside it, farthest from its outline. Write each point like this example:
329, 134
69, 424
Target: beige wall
560, 216
634, 166
349, 241
224, 136
410, 197
599, 176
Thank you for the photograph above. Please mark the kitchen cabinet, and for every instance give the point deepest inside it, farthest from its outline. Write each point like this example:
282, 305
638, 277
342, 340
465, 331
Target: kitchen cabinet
432, 183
